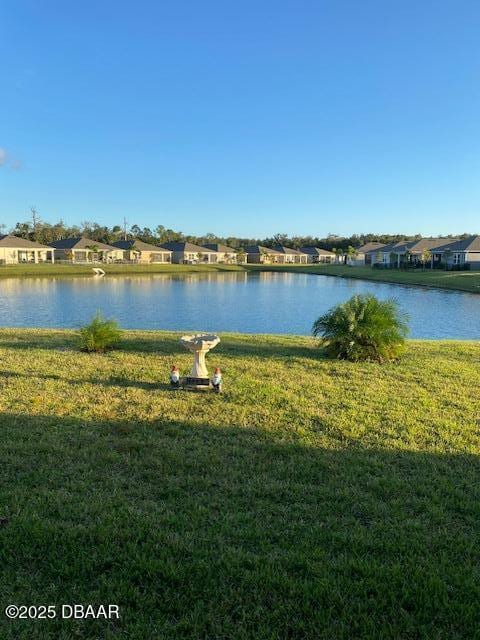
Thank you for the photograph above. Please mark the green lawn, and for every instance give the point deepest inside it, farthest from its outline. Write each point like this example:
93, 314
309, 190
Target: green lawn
314, 499
63, 269
457, 280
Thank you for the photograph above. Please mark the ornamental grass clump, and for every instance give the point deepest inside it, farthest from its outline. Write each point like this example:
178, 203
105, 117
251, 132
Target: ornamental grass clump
99, 335
363, 328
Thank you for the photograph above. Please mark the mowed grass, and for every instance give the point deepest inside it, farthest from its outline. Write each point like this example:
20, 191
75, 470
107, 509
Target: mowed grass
457, 280
313, 499
69, 270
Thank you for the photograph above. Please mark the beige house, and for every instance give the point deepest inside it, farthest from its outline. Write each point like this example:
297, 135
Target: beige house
316, 255
15, 250
256, 254
143, 252
189, 253
85, 250
365, 254
224, 254
291, 256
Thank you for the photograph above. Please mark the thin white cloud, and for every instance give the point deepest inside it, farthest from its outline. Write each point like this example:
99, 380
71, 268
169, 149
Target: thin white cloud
7, 160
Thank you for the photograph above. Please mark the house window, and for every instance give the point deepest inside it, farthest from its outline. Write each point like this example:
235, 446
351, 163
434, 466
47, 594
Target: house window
457, 258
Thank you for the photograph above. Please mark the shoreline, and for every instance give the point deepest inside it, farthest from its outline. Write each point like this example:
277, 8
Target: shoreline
309, 341
463, 281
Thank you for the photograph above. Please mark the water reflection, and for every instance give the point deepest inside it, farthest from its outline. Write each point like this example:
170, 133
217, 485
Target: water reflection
238, 301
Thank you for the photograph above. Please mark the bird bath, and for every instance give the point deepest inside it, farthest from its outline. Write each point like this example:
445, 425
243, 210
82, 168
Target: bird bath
200, 344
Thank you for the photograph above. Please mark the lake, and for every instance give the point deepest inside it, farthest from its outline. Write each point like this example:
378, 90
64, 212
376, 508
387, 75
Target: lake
245, 302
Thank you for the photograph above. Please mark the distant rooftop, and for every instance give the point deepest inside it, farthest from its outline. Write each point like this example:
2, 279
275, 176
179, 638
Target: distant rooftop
257, 248
316, 251
220, 248
13, 242
287, 250
127, 245
186, 247
472, 243
371, 246
81, 243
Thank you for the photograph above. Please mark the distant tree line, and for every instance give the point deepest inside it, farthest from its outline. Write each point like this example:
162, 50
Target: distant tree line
36, 229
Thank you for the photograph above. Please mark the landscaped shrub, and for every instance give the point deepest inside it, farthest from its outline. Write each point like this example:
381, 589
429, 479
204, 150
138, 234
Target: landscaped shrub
99, 335
363, 328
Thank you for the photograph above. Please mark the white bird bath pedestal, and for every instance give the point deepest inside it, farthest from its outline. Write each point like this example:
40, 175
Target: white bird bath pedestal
200, 344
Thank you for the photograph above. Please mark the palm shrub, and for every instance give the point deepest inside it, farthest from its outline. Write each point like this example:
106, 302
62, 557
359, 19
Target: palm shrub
99, 335
363, 328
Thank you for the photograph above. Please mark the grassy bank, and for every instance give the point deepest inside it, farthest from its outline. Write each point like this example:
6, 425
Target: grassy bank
313, 499
457, 280
69, 270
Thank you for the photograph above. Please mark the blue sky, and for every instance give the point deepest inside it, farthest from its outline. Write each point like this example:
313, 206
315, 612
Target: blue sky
245, 118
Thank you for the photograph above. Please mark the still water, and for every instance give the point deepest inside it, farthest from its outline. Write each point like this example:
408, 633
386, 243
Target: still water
249, 303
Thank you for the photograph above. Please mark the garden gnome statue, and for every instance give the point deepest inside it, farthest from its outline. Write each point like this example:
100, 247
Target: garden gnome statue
175, 376
217, 380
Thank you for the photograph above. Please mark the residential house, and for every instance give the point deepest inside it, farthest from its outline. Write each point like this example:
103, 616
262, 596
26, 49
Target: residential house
224, 254
459, 253
188, 253
85, 250
315, 255
143, 252
15, 250
256, 254
364, 254
291, 256
408, 252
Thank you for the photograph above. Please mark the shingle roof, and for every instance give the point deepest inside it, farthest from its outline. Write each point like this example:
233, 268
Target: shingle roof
81, 243
415, 246
371, 246
316, 251
472, 243
186, 247
388, 248
220, 248
426, 244
287, 250
126, 245
257, 248
13, 242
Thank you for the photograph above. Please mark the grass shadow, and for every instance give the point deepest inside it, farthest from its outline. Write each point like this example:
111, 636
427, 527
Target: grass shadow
199, 531
167, 343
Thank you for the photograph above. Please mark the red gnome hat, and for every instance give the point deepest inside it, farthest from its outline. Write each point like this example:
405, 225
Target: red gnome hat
174, 367
218, 370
